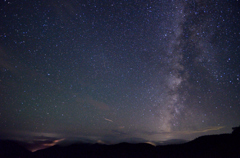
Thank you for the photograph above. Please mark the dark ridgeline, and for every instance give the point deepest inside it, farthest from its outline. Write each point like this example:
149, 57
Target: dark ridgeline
12, 149
236, 131
224, 145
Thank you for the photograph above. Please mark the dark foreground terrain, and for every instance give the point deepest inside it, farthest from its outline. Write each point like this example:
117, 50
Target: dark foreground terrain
225, 145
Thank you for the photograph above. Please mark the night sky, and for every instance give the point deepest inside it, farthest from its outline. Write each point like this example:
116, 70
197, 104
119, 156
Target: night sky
114, 71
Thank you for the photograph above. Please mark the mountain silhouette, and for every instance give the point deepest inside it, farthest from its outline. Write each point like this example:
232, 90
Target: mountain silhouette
12, 149
224, 145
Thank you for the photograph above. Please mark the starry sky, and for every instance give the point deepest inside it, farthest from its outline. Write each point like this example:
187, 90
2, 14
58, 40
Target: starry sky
113, 71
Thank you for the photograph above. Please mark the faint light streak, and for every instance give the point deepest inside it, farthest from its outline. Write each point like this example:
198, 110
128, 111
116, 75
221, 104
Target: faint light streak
204, 130
151, 143
100, 142
53, 143
108, 120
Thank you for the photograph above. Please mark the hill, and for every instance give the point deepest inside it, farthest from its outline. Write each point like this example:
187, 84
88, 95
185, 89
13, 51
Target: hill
224, 145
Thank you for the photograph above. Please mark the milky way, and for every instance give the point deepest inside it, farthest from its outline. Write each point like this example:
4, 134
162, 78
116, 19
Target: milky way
119, 71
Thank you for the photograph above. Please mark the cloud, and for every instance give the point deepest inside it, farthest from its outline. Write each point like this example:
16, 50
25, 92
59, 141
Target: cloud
53, 142
214, 128
28, 136
37, 144
33, 141
173, 134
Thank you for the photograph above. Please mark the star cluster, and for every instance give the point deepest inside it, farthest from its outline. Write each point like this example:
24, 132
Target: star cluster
119, 70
